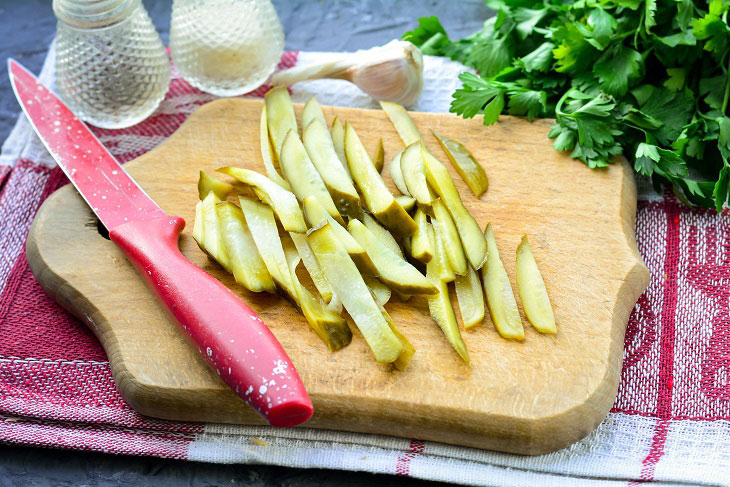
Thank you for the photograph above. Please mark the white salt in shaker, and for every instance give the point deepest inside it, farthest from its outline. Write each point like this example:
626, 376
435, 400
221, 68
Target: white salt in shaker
225, 47
111, 66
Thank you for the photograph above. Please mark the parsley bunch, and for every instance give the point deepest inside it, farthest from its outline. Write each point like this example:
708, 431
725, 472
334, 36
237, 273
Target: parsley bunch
646, 78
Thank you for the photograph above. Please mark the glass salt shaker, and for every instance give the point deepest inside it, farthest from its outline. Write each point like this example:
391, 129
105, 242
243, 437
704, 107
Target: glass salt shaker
225, 47
111, 66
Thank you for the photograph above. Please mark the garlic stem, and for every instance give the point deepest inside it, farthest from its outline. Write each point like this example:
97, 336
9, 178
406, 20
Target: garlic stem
392, 72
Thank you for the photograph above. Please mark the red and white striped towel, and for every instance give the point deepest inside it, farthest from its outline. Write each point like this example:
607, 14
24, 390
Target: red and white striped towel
670, 424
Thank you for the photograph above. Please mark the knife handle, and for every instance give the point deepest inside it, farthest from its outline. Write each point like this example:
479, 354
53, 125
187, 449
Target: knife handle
229, 335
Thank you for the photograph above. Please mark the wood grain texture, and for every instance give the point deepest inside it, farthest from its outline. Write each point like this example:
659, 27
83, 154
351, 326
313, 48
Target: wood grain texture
531, 397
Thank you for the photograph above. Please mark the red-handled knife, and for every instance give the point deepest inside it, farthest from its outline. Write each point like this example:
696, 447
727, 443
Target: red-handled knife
229, 335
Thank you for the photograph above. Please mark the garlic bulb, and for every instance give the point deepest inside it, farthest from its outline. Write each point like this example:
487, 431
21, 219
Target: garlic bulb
392, 72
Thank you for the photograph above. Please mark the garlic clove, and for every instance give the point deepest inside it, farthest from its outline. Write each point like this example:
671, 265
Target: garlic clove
391, 72
397, 76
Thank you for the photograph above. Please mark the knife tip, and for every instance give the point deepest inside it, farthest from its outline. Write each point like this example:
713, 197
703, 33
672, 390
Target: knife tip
291, 413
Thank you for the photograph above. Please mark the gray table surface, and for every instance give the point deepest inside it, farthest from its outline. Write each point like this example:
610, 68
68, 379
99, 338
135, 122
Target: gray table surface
26, 29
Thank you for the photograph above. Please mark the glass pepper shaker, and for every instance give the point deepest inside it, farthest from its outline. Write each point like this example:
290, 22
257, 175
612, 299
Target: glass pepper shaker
111, 66
225, 47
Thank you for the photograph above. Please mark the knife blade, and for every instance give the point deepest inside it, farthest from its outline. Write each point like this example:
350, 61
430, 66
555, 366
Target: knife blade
232, 339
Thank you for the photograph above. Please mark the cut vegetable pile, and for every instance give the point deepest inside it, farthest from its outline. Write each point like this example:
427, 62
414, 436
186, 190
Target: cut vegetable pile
330, 210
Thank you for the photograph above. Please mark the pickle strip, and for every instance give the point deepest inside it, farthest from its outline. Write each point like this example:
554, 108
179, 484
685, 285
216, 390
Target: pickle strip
396, 173
265, 142
283, 202
393, 270
445, 272
385, 237
465, 164
379, 156
303, 177
329, 326
533, 294
338, 140
381, 292
208, 183
350, 288
414, 174
471, 236
262, 224
452, 242
312, 266
403, 122
280, 116
408, 350
318, 143
500, 298
378, 199
212, 237
439, 306
470, 296
407, 202
247, 265
312, 112
316, 215
420, 241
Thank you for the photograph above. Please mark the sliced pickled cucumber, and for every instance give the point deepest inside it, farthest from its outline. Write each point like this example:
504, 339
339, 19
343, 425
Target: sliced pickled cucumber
420, 241
280, 116
531, 286
318, 144
328, 325
403, 122
452, 242
439, 306
379, 156
414, 174
380, 290
397, 173
463, 161
207, 183
316, 215
348, 285
312, 266
500, 298
266, 150
303, 177
392, 269
282, 201
212, 236
311, 112
407, 202
445, 272
471, 236
247, 266
376, 195
338, 140
380, 232
262, 224
470, 296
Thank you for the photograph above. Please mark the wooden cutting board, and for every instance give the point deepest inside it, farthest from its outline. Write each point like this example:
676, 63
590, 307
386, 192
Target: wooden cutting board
531, 397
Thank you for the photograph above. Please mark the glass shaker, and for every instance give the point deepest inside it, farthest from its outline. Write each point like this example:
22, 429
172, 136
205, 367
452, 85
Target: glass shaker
225, 47
111, 66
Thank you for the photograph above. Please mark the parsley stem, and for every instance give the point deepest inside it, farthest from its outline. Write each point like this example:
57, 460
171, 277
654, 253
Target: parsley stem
727, 93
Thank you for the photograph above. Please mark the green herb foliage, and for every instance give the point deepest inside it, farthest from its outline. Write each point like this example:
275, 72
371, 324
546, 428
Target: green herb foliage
646, 78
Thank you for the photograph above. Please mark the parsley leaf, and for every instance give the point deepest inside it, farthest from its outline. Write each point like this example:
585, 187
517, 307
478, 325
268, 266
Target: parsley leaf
673, 109
617, 68
473, 96
528, 102
490, 56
